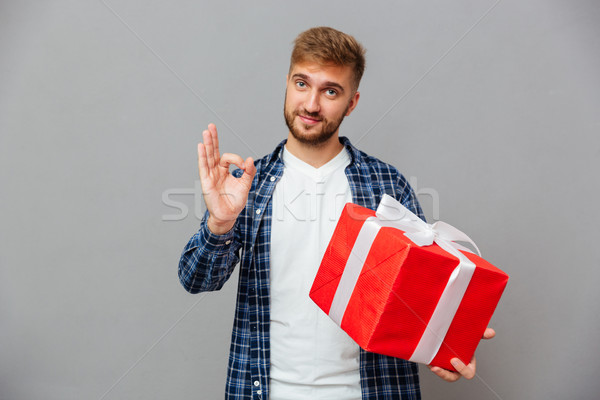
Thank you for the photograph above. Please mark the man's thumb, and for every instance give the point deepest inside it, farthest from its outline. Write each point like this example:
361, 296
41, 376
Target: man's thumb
249, 170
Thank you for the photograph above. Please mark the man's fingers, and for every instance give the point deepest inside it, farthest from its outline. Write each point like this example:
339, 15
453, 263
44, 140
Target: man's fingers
202, 164
215, 140
446, 375
229, 158
489, 333
208, 145
466, 371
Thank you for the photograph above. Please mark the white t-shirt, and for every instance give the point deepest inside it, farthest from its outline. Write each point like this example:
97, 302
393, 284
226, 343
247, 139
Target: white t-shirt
311, 357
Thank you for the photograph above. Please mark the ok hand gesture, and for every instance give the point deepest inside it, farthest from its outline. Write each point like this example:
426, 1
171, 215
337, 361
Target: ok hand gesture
225, 196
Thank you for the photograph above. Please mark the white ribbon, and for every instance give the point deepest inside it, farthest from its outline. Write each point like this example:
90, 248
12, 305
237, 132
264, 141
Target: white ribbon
391, 213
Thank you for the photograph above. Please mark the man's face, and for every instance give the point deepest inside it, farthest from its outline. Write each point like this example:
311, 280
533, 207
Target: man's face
317, 99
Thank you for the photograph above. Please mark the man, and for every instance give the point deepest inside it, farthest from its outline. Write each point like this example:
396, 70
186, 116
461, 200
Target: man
276, 216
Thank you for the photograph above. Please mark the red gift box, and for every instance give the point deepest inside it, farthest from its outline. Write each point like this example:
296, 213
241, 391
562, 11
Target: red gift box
401, 294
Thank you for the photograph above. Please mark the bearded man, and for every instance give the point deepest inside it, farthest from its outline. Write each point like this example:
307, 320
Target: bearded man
275, 216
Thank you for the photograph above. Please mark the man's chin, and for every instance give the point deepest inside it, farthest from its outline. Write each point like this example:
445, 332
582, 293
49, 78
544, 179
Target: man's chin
309, 130
312, 137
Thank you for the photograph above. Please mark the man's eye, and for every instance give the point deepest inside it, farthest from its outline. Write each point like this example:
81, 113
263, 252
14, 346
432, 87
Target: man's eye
300, 84
331, 92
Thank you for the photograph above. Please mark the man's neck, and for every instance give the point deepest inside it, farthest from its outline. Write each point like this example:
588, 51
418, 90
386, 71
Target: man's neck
316, 156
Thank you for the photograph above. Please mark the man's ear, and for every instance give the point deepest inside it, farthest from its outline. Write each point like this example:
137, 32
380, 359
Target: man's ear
353, 103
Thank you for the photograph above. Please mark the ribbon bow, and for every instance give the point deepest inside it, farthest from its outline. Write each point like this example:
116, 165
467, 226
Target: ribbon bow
418, 231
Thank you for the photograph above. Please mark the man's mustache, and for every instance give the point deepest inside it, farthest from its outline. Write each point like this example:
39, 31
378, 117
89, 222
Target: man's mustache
314, 115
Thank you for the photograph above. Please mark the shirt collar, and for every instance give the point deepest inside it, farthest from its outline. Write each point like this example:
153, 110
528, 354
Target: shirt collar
355, 156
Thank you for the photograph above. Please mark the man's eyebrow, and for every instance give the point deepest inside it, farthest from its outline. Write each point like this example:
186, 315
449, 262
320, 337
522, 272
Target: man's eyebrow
328, 83
301, 76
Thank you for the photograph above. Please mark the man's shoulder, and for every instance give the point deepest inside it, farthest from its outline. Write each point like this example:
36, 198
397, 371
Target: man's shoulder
374, 162
377, 166
387, 179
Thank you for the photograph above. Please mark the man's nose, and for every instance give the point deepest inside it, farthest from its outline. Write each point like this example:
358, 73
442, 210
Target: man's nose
312, 102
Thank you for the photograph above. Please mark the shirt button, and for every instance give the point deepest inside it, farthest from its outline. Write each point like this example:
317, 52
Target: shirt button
228, 242
256, 383
272, 179
257, 212
259, 391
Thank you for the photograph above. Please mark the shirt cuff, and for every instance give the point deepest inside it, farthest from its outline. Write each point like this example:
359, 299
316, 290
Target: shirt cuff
214, 242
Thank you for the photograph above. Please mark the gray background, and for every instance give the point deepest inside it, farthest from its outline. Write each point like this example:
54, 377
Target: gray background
493, 106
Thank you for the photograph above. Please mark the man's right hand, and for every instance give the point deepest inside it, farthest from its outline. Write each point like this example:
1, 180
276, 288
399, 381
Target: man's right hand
225, 196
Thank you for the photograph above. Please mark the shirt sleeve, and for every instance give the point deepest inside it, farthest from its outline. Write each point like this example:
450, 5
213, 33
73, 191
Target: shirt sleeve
208, 260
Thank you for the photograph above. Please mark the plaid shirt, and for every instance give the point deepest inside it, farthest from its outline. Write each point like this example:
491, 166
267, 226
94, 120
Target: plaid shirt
208, 260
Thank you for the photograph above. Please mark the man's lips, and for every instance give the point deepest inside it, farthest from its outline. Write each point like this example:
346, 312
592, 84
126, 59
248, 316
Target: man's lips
308, 120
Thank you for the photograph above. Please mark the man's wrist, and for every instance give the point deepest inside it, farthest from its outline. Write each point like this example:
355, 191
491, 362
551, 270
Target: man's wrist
219, 228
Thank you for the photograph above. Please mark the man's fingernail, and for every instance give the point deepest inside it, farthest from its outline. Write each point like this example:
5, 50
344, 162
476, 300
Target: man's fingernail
455, 363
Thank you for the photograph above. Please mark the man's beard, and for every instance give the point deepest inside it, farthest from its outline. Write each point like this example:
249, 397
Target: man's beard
329, 128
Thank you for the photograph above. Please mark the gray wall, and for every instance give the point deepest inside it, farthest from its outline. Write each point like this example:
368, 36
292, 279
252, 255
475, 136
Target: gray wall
493, 106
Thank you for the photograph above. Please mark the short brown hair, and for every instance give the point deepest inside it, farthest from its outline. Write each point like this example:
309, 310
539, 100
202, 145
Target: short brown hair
326, 45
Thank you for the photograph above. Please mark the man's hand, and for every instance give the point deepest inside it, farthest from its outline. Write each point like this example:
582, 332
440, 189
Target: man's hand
466, 371
225, 196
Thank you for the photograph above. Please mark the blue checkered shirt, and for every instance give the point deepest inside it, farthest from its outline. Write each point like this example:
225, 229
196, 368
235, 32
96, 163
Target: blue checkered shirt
208, 260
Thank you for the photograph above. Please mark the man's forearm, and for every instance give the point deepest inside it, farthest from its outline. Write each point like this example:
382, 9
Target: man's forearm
208, 260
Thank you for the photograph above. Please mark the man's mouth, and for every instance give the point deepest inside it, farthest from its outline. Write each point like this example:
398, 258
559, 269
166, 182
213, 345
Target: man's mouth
309, 120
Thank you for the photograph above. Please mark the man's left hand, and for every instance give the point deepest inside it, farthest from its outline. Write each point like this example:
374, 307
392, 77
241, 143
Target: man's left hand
466, 371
